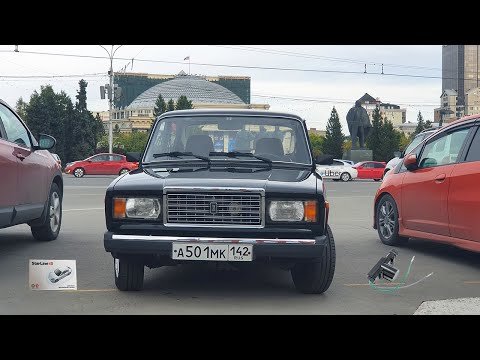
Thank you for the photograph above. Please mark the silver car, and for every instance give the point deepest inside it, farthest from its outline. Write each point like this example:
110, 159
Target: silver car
59, 274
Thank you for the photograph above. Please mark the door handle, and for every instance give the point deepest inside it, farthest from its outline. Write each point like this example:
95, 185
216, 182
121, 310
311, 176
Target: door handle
440, 178
20, 156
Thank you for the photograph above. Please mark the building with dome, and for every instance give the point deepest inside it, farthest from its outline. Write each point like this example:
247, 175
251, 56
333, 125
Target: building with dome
203, 91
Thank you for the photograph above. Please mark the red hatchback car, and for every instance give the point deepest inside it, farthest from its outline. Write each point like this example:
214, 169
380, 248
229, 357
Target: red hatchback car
31, 185
434, 193
101, 164
370, 170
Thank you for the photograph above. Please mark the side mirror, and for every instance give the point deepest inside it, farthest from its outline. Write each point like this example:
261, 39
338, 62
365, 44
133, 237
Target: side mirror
324, 160
45, 142
133, 156
410, 162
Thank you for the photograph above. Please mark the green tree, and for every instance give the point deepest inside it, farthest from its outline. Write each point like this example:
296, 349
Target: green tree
49, 112
316, 141
83, 129
404, 141
160, 107
428, 125
334, 137
420, 124
170, 105
116, 130
389, 142
20, 108
183, 103
374, 140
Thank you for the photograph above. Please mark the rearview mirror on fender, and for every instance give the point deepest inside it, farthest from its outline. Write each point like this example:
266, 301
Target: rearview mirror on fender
410, 162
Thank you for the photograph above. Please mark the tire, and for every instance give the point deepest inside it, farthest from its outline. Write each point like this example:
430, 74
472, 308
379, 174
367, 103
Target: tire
345, 177
128, 275
50, 229
123, 171
388, 233
78, 172
316, 276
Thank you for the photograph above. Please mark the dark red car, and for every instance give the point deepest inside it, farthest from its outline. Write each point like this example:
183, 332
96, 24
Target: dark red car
101, 164
31, 185
370, 170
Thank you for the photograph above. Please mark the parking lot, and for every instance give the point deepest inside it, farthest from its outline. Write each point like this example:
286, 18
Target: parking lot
201, 289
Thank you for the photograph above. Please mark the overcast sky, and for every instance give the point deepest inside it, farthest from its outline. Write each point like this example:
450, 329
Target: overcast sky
338, 78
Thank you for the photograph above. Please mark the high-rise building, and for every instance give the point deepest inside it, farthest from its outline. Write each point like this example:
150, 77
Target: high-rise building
460, 70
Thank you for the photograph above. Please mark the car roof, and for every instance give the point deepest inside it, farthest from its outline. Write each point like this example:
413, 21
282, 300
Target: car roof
233, 112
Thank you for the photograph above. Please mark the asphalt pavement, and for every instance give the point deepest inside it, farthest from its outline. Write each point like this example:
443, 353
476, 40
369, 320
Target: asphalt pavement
254, 289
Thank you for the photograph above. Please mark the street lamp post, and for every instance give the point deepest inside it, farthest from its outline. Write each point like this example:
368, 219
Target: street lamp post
111, 97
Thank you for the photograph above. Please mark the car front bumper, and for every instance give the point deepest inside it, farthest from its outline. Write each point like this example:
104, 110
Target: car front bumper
162, 245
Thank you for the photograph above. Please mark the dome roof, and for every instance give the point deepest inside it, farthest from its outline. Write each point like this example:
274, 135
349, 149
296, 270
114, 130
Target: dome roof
195, 88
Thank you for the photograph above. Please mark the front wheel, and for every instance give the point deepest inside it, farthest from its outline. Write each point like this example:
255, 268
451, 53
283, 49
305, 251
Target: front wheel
128, 275
49, 230
387, 222
345, 177
78, 172
316, 276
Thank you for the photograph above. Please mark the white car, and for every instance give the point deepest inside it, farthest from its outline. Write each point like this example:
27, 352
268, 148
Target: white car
415, 142
346, 162
59, 274
337, 171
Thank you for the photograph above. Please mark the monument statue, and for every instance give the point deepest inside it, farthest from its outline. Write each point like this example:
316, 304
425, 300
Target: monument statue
358, 124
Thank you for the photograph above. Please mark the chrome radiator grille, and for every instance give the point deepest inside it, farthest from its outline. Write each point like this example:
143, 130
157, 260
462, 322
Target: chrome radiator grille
212, 208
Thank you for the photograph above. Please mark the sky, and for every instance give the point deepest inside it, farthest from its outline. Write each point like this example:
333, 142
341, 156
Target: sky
307, 80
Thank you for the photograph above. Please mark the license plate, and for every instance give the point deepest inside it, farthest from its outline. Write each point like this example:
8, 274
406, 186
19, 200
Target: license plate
211, 252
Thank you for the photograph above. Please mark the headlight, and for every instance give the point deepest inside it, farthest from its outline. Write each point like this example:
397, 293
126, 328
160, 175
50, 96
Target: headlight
136, 208
293, 211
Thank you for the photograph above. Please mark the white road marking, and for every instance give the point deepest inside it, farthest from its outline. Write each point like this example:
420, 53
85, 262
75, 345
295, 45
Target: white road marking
85, 187
86, 209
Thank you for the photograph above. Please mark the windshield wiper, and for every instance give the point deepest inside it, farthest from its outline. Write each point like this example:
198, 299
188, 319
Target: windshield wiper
179, 154
235, 154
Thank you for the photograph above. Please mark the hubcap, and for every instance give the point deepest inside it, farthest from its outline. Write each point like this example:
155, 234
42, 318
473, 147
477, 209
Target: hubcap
386, 219
78, 172
117, 267
345, 177
55, 212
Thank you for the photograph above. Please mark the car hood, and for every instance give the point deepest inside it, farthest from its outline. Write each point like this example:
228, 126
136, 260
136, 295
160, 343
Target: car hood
281, 181
392, 163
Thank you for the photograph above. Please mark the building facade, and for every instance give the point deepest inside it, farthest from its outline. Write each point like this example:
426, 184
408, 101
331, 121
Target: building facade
460, 73
204, 93
388, 111
472, 101
134, 84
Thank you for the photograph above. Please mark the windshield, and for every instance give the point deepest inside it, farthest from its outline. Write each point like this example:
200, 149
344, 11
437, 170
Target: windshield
218, 136
417, 140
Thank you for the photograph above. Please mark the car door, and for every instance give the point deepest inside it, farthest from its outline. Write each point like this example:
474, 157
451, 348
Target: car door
378, 170
464, 193
424, 194
366, 171
9, 175
94, 165
32, 187
116, 164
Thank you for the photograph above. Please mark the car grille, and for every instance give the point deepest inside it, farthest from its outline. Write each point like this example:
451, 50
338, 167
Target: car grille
214, 209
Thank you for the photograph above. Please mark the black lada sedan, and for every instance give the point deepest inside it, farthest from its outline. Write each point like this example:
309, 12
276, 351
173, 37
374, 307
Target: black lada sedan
222, 186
